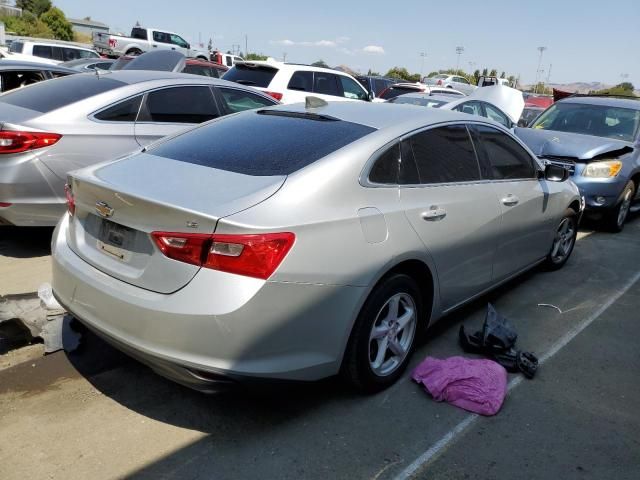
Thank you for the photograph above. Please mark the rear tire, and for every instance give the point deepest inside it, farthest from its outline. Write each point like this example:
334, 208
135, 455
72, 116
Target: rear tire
615, 218
383, 337
564, 241
134, 52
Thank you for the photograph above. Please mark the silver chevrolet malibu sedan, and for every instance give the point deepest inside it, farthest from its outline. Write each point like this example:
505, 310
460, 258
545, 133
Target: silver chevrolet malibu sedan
297, 243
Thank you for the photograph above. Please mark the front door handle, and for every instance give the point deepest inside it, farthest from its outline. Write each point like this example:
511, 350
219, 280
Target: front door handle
434, 214
510, 200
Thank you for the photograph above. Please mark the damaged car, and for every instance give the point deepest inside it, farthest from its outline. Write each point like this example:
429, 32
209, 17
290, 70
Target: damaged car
598, 140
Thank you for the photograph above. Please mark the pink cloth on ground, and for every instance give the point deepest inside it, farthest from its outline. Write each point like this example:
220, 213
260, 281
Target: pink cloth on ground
475, 385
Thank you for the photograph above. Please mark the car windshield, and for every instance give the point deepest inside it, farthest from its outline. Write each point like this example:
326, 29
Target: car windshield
421, 101
598, 120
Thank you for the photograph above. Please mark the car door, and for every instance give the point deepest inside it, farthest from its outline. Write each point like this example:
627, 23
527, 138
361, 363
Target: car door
451, 208
179, 44
326, 86
168, 110
522, 197
161, 41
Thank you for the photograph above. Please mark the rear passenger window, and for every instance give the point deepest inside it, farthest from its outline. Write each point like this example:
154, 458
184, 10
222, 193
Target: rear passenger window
239, 100
43, 51
325, 84
302, 81
122, 112
506, 158
386, 167
351, 89
444, 155
179, 105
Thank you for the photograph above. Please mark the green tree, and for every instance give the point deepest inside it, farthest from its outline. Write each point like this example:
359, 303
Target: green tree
320, 63
625, 89
485, 72
432, 74
255, 56
54, 18
503, 74
476, 76
37, 7
493, 73
27, 25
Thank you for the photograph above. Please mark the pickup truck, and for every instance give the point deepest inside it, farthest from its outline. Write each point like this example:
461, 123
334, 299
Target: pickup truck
143, 40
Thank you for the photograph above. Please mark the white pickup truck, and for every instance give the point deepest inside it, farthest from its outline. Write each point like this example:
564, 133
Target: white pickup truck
143, 40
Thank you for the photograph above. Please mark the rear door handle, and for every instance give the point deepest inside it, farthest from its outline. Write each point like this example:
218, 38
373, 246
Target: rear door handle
510, 200
434, 214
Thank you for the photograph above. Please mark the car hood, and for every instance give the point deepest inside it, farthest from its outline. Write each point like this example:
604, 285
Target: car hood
550, 143
507, 99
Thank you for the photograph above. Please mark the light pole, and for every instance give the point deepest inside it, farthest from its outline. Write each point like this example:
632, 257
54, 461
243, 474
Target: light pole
541, 50
459, 51
422, 55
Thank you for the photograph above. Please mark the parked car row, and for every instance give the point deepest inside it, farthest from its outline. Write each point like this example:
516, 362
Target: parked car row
220, 237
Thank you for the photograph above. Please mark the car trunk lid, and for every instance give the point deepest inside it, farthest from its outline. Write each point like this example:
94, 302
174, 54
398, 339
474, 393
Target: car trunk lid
119, 205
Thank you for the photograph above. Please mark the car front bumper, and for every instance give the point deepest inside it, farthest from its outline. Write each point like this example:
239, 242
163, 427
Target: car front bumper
287, 331
599, 193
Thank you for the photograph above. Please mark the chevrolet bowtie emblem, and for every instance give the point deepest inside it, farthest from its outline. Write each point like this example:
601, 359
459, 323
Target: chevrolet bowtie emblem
104, 209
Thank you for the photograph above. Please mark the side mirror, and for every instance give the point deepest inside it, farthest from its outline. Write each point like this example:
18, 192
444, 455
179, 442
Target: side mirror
188, 46
555, 173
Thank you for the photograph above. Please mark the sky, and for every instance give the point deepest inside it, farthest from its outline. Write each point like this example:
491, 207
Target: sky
585, 40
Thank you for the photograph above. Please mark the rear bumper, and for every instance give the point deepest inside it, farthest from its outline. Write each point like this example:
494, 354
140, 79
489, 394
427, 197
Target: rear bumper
283, 331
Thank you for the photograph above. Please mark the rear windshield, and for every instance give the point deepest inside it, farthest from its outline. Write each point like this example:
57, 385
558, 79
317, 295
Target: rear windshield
252, 75
421, 101
48, 96
393, 92
259, 144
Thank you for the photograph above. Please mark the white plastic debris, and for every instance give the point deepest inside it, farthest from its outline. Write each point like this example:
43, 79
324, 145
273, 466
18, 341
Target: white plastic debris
45, 293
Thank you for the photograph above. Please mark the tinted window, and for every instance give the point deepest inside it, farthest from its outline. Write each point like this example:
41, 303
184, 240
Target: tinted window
43, 51
325, 84
47, 96
351, 89
302, 81
16, 79
201, 70
137, 32
238, 100
255, 76
507, 159
386, 166
16, 47
122, 112
444, 155
161, 37
178, 40
496, 115
408, 170
229, 61
179, 105
261, 144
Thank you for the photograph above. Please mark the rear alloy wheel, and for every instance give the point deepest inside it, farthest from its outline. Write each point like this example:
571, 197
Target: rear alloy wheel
564, 241
384, 334
618, 215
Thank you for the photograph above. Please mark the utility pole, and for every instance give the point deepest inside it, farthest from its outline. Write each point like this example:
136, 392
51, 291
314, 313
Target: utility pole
541, 50
246, 48
422, 55
284, 57
459, 51
549, 73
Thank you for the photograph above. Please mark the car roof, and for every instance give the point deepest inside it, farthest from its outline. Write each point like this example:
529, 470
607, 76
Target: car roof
54, 44
441, 98
291, 66
26, 65
87, 61
605, 101
207, 63
381, 115
138, 76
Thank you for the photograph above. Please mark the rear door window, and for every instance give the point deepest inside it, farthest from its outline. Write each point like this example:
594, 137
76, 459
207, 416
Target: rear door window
17, 79
125, 111
445, 155
505, 158
43, 51
261, 144
254, 76
471, 108
47, 96
386, 167
16, 47
302, 81
496, 115
236, 100
179, 105
326, 84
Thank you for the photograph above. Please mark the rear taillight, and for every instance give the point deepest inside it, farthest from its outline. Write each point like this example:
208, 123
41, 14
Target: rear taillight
439, 82
255, 256
276, 95
16, 142
5, 204
71, 201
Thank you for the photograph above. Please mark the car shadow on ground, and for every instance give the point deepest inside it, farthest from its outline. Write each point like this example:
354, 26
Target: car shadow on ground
25, 242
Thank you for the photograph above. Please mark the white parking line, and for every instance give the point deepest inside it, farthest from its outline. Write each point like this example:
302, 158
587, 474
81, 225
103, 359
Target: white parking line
433, 452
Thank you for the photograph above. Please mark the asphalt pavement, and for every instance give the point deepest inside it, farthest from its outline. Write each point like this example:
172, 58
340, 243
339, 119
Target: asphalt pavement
97, 414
